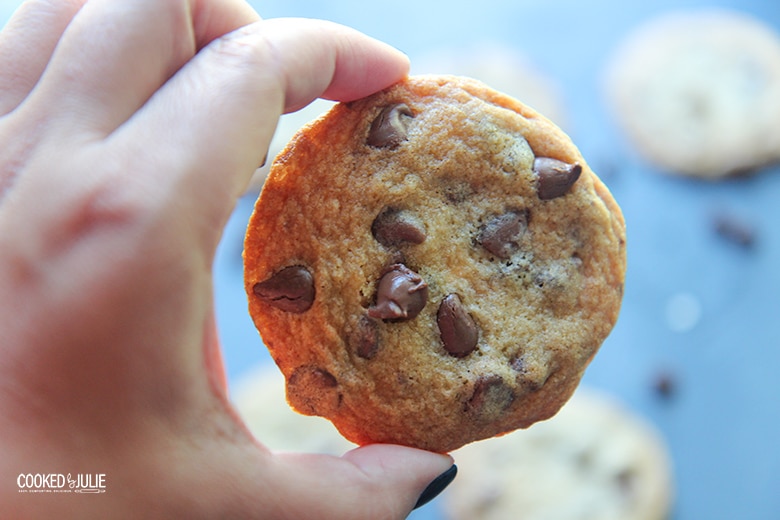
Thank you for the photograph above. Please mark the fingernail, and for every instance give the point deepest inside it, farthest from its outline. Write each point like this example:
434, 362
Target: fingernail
438, 485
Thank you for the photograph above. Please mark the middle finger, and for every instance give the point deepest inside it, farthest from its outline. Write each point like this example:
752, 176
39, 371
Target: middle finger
111, 59
26, 45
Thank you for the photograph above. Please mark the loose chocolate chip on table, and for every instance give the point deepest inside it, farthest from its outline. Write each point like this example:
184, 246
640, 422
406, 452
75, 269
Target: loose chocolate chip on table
665, 384
391, 126
364, 338
500, 236
400, 296
555, 177
457, 329
491, 397
395, 227
291, 289
734, 230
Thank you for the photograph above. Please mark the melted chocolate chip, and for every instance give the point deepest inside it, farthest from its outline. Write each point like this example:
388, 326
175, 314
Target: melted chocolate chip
291, 289
364, 339
457, 329
394, 227
400, 296
391, 126
501, 235
555, 178
491, 397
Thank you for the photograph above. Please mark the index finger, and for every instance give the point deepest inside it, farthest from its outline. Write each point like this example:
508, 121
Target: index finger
215, 118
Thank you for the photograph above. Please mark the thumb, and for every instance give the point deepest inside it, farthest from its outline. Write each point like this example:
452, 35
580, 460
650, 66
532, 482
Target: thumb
378, 481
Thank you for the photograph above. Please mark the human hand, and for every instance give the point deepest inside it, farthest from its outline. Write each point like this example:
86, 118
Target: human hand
128, 131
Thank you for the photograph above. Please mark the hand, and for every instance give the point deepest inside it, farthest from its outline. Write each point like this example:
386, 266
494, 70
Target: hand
128, 131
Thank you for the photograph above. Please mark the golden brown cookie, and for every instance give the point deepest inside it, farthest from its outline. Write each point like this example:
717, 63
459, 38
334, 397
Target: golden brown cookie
433, 265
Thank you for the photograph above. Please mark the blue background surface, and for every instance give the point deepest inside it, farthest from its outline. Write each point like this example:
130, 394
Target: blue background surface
722, 420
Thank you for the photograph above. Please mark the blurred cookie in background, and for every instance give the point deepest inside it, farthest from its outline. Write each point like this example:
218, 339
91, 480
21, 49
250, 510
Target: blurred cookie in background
698, 92
595, 459
260, 400
503, 68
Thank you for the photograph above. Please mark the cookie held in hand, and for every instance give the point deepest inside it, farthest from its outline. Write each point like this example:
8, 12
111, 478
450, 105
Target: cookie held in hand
433, 265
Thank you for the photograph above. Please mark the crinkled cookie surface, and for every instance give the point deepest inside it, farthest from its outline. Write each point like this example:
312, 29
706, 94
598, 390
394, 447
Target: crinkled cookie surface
433, 265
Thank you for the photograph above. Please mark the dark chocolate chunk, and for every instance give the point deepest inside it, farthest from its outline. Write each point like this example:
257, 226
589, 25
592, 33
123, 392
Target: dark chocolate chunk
291, 289
554, 177
313, 390
401, 294
502, 234
395, 227
491, 397
457, 329
364, 339
391, 126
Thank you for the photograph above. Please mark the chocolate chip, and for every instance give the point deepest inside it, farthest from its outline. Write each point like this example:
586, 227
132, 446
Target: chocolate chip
401, 294
313, 390
364, 339
291, 289
665, 384
501, 235
395, 227
491, 397
456, 327
555, 177
391, 126
734, 230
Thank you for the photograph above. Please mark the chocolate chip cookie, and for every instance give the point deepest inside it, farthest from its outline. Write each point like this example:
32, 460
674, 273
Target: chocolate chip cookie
259, 398
698, 92
432, 265
594, 459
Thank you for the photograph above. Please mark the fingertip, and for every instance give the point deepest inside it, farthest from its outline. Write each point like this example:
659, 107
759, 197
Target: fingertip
381, 457
366, 65
418, 476
318, 58
436, 486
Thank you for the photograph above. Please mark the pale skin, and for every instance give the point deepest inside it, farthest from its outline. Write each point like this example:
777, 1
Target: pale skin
128, 131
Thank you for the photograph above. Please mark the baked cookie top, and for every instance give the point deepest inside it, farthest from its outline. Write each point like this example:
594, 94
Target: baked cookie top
432, 265
698, 91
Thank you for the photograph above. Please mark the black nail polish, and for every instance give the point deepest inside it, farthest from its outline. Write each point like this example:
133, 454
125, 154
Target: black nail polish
438, 485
